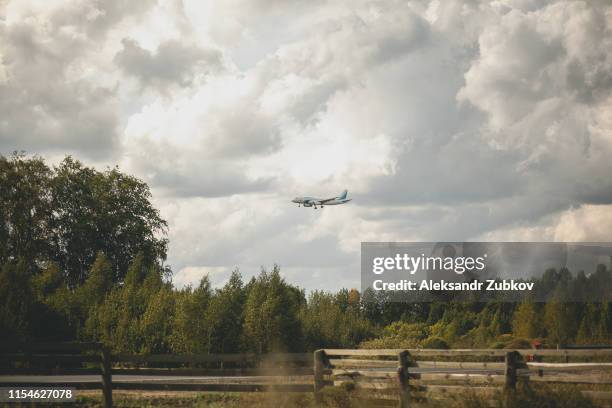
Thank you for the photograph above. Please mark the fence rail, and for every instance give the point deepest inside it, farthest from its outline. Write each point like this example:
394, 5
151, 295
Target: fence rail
425, 373
399, 374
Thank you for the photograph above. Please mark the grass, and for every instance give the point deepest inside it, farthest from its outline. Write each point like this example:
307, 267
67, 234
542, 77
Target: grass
197, 400
331, 398
541, 396
536, 397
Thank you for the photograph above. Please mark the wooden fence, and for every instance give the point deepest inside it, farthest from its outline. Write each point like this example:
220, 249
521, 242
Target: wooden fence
425, 374
66, 364
387, 375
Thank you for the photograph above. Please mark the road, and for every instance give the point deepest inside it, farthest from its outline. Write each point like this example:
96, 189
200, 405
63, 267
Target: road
67, 379
173, 379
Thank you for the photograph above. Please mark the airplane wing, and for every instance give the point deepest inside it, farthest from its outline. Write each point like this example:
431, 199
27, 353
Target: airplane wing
324, 200
342, 196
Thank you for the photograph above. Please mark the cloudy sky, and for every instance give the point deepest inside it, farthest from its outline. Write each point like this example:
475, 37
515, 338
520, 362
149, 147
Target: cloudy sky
445, 120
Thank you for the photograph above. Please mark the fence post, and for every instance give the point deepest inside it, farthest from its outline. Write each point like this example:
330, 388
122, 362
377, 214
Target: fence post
319, 367
404, 379
511, 361
107, 381
561, 347
520, 363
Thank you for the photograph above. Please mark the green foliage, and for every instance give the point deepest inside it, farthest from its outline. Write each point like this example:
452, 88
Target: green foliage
26, 210
560, 321
60, 309
48, 281
456, 321
108, 211
518, 344
135, 317
191, 331
271, 313
527, 321
334, 320
156, 322
400, 335
69, 213
16, 306
145, 314
81, 257
593, 327
98, 283
435, 343
225, 315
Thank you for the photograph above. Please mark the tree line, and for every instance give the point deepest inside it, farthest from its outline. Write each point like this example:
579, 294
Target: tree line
82, 257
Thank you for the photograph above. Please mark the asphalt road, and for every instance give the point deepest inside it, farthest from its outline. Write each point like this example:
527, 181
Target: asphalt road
65, 379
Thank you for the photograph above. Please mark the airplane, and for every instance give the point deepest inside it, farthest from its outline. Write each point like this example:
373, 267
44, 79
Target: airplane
314, 202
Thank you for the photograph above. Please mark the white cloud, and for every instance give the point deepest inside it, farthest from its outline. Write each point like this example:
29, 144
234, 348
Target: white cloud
590, 223
192, 275
172, 63
446, 120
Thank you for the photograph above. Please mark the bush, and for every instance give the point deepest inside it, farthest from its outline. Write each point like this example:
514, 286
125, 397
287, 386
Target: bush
387, 343
518, 344
409, 331
504, 338
435, 343
497, 345
399, 335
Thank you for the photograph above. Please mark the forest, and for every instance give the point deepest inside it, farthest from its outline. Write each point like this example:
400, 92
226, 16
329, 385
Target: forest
82, 257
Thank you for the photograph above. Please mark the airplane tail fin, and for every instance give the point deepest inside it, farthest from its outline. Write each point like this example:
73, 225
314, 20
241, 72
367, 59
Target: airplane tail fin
343, 195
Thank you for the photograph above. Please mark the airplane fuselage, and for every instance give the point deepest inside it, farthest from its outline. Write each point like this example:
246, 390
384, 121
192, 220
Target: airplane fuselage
321, 202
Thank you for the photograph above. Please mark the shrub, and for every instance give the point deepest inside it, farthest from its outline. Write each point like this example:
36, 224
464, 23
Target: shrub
399, 335
435, 343
518, 344
497, 345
